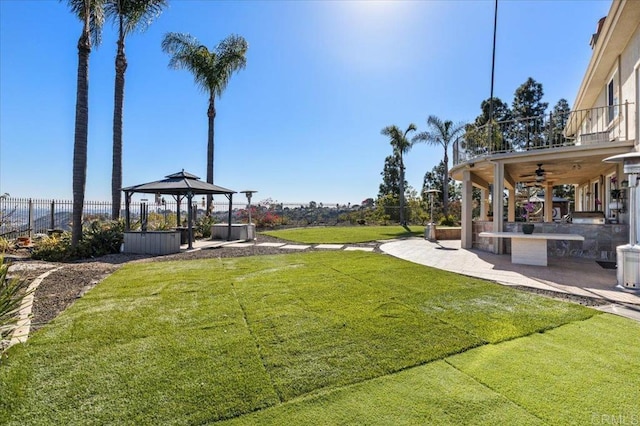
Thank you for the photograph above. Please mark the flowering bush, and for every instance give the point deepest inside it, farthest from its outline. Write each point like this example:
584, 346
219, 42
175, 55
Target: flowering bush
615, 192
528, 208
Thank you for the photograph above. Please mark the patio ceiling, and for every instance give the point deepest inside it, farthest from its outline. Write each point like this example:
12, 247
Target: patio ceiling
564, 166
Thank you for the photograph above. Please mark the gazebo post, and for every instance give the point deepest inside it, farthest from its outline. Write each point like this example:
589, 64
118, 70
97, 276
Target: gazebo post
127, 214
229, 224
178, 199
190, 219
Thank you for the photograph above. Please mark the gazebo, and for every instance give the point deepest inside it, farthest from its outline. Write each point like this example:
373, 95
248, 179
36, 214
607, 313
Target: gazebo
179, 185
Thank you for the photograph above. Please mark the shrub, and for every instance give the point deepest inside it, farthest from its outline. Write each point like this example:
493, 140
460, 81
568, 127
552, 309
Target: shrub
448, 221
202, 228
101, 238
98, 239
53, 248
5, 246
12, 290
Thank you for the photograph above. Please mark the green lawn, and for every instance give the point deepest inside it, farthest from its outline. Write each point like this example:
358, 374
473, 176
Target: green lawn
318, 337
345, 234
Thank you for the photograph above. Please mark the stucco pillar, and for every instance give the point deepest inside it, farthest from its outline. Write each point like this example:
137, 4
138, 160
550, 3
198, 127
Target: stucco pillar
511, 213
484, 203
467, 210
548, 202
498, 204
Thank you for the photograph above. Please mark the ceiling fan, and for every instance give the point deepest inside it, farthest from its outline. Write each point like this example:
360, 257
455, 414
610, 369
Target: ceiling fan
539, 174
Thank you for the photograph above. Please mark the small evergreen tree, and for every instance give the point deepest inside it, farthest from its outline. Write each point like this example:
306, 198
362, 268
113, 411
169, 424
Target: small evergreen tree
390, 177
559, 118
529, 109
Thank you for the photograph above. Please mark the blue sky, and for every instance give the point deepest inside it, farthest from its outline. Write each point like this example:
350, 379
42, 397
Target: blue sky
302, 122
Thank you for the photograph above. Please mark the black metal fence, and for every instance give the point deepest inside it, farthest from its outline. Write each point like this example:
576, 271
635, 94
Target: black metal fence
30, 216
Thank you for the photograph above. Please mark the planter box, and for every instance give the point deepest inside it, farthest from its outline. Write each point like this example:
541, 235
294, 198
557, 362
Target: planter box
448, 233
239, 231
152, 242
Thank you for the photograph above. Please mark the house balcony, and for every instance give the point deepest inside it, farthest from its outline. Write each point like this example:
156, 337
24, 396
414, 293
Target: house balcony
589, 127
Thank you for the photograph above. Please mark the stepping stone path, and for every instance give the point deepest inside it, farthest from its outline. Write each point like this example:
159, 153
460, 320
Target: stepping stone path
285, 246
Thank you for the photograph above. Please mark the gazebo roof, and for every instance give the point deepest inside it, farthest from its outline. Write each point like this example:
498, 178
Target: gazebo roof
178, 184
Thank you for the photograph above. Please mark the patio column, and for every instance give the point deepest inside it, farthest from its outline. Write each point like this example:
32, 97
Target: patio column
548, 202
190, 218
511, 212
178, 201
498, 204
466, 240
230, 197
484, 204
127, 214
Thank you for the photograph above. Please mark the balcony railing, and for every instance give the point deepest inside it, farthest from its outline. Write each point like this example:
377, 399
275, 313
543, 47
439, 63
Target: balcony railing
579, 127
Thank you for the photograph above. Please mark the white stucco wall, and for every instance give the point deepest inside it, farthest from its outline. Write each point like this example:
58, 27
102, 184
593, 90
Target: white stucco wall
627, 67
629, 63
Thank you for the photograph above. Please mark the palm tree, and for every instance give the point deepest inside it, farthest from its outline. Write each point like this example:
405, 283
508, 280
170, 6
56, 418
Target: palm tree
211, 70
441, 133
90, 12
129, 16
400, 145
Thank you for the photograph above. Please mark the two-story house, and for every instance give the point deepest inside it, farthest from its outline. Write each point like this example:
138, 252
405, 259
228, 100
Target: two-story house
518, 161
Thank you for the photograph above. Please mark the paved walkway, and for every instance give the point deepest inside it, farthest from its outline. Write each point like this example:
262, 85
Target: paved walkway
207, 244
583, 277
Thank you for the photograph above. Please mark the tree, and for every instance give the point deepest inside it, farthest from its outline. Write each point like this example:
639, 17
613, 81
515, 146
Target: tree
390, 177
211, 71
401, 145
529, 110
434, 180
559, 118
91, 13
441, 133
476, 135
501, 111
129, 16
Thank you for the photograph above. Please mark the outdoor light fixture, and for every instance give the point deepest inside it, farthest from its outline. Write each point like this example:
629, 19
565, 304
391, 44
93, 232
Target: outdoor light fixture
249, 193
430, 232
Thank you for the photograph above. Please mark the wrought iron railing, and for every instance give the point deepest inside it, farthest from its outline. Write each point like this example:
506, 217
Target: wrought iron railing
29, 216
579, 127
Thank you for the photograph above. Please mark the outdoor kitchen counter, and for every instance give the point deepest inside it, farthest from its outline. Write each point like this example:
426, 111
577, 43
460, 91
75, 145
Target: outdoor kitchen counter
530, 249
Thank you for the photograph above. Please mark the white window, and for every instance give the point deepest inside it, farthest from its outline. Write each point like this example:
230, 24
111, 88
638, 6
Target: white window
612, 98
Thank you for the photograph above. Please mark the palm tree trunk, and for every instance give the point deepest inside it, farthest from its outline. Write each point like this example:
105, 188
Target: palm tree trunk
116, 171
81, 132
401, 186
445, 186
211, 114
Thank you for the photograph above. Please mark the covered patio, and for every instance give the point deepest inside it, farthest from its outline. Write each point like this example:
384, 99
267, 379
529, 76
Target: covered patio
179, 185
543, 169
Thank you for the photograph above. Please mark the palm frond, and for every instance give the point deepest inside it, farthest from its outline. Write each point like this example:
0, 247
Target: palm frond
230, 57
398, 138
440, 132
96, 20
136, 15
211, 69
